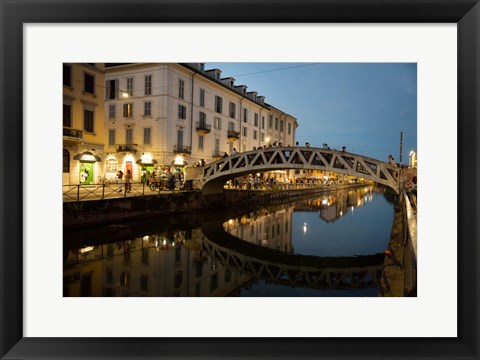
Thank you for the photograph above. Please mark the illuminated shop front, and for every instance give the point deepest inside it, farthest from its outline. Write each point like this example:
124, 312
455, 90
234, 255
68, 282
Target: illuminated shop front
147, 166
87, 168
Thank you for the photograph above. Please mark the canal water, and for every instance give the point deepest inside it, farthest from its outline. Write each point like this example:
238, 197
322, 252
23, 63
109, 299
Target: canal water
330, 244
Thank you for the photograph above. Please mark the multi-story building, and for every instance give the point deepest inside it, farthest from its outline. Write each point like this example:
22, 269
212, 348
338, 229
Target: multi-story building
164, 116
83, 122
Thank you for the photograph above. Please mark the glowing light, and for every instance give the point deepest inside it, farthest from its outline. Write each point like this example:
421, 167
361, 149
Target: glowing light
324, 201
341, 213
230, 222
146, 237
164, 242
178, 160
86, 249
304, 228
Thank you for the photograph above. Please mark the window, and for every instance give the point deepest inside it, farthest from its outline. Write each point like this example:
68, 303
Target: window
202, 118
182, 112
262, 136
130, 86
144, 283
148, 84
218, 104
263, 122
281, 125
88, 121
111, 137
178, 278
232, 110
145, 256
231, 126
67, 75
180, 138
217, 124
109, 277
254, 134
255, 120
202, 97
112, 166
111, 111
128, 110
217, 146
200, 142
244, 131
147, 136
147, 108
181, 89
214, 282
198, 268
245, 115
89, 83
67, 115
276, 123
66, 161
129, 137
270, 121
111, 89
289, 127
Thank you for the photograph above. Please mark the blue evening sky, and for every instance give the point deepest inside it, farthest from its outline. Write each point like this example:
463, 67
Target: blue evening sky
363, 106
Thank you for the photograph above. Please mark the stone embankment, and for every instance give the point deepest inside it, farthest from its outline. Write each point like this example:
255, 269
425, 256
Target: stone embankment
79, 214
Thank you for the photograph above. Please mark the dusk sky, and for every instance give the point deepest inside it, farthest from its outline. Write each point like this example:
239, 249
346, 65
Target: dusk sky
363, 106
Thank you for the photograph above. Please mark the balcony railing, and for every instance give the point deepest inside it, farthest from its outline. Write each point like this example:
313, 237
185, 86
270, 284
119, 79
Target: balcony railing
72, 133
203, 128
127, 148
233, 135
182, 149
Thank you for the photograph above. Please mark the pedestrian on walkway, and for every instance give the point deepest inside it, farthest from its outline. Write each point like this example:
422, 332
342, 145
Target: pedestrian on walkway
119, 179
128, 181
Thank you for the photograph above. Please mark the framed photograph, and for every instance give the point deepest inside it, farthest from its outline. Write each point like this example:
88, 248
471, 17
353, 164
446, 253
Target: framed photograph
39, 320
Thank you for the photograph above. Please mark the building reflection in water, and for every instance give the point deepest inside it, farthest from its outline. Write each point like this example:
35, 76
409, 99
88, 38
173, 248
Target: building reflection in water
184, 262
159, 265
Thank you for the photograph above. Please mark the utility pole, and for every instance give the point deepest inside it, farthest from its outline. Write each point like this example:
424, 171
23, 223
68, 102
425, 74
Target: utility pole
400, 178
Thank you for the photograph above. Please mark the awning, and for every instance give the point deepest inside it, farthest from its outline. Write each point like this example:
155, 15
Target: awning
87, 156
148, 162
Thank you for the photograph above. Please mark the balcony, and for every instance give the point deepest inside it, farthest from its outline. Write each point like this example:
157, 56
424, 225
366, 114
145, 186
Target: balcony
182, 149
127, 148
233, 135
72, 134
203, 128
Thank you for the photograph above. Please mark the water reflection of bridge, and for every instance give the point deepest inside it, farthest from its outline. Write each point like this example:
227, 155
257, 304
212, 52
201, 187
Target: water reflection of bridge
287, 269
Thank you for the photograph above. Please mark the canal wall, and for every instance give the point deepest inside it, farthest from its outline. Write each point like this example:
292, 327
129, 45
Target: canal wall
399, 272
79, 214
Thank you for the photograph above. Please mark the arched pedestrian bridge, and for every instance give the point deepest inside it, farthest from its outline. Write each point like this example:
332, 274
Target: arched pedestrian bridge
216, 174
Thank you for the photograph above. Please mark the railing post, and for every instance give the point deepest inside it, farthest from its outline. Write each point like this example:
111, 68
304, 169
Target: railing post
103, 190
78, 192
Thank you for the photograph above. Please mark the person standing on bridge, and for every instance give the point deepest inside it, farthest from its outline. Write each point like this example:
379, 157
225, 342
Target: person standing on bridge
234, 152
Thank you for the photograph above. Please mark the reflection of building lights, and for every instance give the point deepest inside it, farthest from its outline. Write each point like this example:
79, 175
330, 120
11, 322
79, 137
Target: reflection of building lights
341, 213
230, 222
352, 208
324, 202
304, 228
173, 243
145, 238
164, 242
86, 249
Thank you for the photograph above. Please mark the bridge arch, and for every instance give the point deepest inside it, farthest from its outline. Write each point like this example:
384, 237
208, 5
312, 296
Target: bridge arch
216, 174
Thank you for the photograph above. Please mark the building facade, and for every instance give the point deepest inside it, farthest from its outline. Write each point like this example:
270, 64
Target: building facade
83, 123
164, 117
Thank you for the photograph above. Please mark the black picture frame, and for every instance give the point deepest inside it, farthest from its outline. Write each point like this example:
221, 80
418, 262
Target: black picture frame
465, 13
